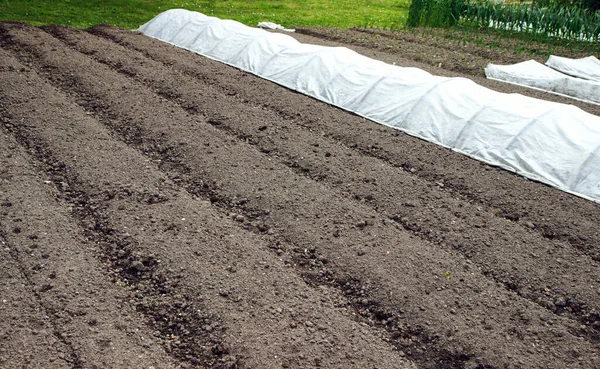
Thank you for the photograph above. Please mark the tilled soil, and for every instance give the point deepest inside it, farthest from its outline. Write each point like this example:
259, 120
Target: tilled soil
160, 209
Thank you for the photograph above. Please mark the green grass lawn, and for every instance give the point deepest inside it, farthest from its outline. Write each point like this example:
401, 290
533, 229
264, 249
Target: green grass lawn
133, 13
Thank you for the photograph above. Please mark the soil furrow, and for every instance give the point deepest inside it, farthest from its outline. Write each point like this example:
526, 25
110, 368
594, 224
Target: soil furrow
270, 317
27, 335
67, 353
552, 213
521, 260
422, 285
90, 313
135, 270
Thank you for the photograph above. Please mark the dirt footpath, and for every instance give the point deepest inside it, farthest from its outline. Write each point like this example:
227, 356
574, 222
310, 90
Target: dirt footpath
160, 209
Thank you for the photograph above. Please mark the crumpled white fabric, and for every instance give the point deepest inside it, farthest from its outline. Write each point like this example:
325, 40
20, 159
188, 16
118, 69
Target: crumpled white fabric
271, 25
552, 143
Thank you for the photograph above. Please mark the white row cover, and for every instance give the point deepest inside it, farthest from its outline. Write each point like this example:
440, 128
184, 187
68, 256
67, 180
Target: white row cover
553, 143
586, 68
538, 76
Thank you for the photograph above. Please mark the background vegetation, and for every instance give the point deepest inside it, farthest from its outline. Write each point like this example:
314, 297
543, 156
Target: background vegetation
574, 20
434, 13
568, 22
133, 13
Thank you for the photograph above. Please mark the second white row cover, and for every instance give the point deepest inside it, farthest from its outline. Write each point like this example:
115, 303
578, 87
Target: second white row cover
538, 76
553, 143
586, 68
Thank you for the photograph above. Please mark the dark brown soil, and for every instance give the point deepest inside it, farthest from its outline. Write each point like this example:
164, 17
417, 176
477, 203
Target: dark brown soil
465, 51
160, 209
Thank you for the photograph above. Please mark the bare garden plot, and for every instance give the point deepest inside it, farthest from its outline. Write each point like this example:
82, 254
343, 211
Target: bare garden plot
243, 225
343, 166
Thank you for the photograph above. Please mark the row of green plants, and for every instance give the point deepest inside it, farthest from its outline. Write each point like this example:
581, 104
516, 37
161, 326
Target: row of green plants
555, 20
549, 19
